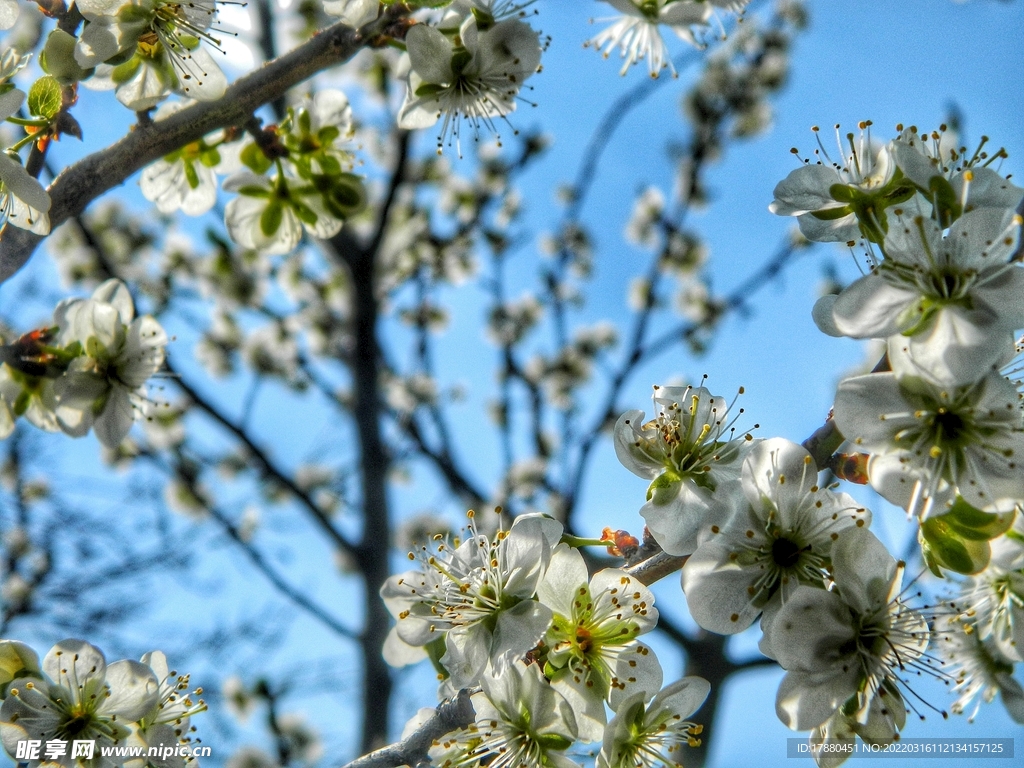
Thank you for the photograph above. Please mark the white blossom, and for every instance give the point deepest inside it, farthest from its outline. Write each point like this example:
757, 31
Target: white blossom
637, 32
848, 644
167, 52
956, 298
8, 13
593, 655
77, 696
23, 201
521, 722
33, 397
269, 216
977, 667
994, 601
185, 178
476, 77
642, 736
779, 539
843, 201
480, 594
691, 453
929, 441
105, 388
355, 13
971, 183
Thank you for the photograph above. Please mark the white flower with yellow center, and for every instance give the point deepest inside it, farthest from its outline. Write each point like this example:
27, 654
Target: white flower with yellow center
480, 596
930, 441
994, 603
23, 201
167, 723
778, 540
832, 742
690, 452
592, 652
955, 180
978, 668
646, 736
847, 646
105, 388
842, 201
77, 697
956, 298
637, 33
163, 39
521, 722
475, 75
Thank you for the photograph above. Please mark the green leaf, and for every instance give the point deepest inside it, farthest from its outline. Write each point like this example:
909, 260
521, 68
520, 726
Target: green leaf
306, 214
553, 741
330, 165
429, 89
950, 550
348, 192
255, 190
484, 20
831, 214
435, 649
210, 157
21, 403
971, 523
123, 57
122, 73
944, 199
44, 97
270, 220
252, 156
190, 174
667, 480
58, 58
843, 193
460, 60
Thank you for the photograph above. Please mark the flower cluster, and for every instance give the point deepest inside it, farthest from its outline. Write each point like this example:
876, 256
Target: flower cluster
985, 637
943, 428
766, 540
938, 428
551, 649
86, 372
71, 708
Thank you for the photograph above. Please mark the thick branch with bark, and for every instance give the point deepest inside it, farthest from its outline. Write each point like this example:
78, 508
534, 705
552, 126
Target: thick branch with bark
81, 183
449, 716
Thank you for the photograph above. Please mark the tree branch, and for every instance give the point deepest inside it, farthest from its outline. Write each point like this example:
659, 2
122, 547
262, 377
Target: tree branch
83, 182
263, 566
266, 465
656, 567
450, 715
